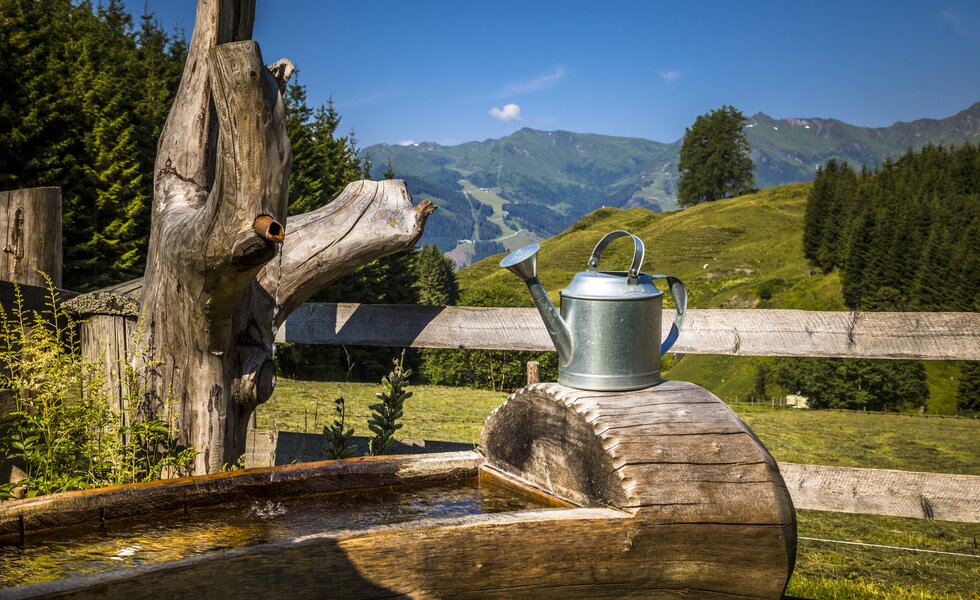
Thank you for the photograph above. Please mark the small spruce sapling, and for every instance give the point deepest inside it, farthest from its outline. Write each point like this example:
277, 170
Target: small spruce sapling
385, 414
336, 437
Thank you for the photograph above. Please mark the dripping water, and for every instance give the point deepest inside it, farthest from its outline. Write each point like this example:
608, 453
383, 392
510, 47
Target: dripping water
275, 297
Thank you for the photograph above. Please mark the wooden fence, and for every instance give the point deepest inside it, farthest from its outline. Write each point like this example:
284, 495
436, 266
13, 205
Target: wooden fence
927, 336
920, 335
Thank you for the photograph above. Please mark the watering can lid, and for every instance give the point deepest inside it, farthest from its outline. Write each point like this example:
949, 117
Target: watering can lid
613, 285
610, 285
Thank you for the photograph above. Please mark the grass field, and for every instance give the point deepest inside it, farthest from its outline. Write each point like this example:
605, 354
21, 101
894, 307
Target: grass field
823, 570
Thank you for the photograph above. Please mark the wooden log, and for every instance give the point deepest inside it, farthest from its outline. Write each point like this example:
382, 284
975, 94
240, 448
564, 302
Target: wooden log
925, 335
31, 222
72, 508
578, 553
620, 449
105, 341
212, 293
658, 520
939, 496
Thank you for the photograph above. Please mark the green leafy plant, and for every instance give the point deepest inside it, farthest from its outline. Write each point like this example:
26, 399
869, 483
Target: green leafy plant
337, 436
63, 432
385, 414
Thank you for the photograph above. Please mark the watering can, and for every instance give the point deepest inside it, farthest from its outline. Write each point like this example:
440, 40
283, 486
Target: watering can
608, 332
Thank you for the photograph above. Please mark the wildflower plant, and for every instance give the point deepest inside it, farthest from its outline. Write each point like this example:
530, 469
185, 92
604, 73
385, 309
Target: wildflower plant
63, 432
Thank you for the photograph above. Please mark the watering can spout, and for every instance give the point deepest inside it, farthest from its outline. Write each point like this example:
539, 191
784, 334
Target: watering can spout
524, 264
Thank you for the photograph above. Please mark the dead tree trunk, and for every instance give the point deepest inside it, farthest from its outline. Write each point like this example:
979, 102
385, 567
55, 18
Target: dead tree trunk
216, 284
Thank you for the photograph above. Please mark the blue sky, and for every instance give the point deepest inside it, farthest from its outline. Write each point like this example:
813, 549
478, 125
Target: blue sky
460, 70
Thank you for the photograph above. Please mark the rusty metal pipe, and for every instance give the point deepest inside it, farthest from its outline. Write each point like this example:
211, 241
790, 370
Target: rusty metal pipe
268, 228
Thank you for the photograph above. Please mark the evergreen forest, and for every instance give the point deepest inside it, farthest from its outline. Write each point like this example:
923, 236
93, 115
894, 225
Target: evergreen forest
85, 92
904, 237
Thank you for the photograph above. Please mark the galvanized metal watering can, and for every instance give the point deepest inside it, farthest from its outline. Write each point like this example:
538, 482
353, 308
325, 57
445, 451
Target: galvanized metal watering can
608, 332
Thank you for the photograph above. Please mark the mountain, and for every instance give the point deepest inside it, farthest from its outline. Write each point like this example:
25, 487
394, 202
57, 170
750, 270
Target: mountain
507, 192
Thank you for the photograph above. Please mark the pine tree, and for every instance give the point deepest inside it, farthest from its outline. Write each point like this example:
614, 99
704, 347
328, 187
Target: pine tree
435, 278
714, 159
306, 177
71, 115
389, 170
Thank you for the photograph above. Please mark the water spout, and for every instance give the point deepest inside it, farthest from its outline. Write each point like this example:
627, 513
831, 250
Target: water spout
524, 264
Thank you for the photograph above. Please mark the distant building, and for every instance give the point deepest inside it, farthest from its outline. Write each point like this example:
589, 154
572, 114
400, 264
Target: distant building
795, 401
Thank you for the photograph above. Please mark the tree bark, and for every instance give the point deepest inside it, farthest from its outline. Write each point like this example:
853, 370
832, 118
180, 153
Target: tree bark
222, 269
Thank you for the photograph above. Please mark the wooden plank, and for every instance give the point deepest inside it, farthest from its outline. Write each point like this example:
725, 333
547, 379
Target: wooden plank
30, 220
69, 508
416, 326
104, 340
581, 553
925, 335
884, 492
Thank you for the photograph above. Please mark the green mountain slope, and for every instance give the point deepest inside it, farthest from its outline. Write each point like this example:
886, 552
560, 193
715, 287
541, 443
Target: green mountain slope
532, 184
746, 252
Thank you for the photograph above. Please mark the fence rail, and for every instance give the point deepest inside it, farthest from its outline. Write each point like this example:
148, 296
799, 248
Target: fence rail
920, 335
929, 336
939, 496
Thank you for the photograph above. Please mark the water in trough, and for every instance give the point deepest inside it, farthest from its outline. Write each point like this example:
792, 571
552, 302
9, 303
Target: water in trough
173, 535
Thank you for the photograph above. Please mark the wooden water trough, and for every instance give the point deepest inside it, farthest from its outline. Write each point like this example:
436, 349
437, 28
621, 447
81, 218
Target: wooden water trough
658, 493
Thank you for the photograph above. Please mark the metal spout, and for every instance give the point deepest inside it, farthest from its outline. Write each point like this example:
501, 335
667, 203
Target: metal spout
524, 264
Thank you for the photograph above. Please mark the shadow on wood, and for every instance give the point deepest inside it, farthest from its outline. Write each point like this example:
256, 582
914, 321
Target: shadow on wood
670, 493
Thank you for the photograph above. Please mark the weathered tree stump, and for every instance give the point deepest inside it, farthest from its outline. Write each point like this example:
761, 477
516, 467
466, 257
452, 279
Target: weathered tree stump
223, 270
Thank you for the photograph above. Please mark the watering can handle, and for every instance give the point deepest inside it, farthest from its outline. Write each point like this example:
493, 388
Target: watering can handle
638, 252
679, 293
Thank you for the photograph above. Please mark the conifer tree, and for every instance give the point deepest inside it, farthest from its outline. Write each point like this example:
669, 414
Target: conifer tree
72, 116
435, 278
714, 159
305, 181
968, 389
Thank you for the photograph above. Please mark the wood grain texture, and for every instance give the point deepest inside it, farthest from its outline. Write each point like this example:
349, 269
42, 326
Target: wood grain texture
938, 496
929, 336
71, 508
538, 554
671, 454
223, 266
706, 518
31, 223
105, 340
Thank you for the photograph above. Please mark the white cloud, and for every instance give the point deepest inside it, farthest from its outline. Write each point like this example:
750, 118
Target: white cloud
963, 20
510, 112
408, 143
543, 82
671, 76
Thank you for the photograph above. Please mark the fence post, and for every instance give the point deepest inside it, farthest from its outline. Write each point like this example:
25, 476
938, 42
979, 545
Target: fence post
533, 372
31, 223
108, 323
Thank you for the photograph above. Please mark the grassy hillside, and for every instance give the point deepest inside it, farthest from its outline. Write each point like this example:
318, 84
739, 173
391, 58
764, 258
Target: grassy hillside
745, 252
